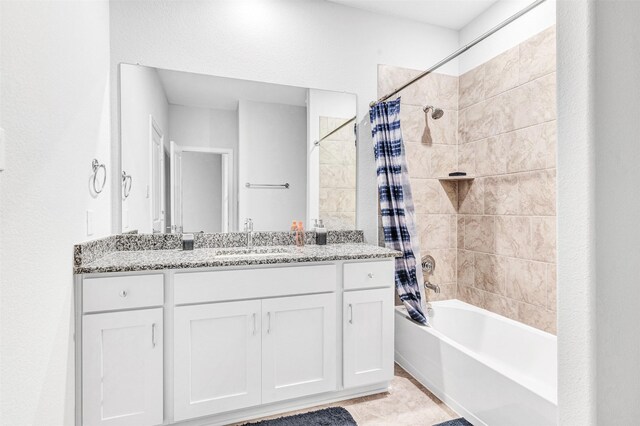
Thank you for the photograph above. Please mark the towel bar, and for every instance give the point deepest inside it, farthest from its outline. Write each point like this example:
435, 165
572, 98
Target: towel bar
267, 185
96, 166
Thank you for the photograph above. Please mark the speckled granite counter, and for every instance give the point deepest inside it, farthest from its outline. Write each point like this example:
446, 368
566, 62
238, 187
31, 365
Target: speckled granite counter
127, 261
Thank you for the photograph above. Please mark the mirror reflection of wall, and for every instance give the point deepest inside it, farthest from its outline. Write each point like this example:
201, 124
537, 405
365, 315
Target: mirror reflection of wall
207, 152
273, 152
338, 172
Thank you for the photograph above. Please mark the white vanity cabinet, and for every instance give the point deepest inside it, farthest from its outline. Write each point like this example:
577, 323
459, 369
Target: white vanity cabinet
368, 336
221, 345
367, 306
216, 358
298, 346
122, 368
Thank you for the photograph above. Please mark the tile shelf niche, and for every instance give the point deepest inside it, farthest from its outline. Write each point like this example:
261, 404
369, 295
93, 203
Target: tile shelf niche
456, 178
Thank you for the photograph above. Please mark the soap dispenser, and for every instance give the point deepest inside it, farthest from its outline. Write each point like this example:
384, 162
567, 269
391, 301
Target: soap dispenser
321, 233
187, 241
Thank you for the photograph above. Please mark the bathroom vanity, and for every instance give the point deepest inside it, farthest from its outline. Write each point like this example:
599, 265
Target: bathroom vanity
219, 336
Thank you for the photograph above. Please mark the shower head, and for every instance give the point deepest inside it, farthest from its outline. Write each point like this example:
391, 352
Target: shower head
436, 113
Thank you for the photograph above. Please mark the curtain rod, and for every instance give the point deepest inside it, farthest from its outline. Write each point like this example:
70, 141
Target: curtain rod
337, 129
460, 51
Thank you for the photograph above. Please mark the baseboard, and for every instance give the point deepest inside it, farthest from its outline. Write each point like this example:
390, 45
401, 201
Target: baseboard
249, 414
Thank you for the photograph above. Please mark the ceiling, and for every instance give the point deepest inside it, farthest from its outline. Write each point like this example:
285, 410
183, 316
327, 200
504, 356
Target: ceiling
453, 14
208, 91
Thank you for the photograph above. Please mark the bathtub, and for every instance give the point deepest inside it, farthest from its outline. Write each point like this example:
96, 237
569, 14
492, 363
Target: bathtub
492, 370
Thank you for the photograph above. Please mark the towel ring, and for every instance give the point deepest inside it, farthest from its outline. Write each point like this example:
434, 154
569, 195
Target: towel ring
127, 181
96, 166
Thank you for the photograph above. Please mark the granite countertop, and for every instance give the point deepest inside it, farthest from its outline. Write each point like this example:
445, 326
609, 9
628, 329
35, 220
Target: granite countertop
146, 260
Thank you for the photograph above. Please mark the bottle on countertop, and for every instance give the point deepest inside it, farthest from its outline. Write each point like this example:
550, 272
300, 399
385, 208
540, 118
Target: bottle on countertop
300, 234
293, 231
321, 233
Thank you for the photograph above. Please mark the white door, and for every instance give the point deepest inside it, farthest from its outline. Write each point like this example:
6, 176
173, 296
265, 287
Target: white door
217, 358
368, 337
175, 186
298, 346
157, 177
122, 368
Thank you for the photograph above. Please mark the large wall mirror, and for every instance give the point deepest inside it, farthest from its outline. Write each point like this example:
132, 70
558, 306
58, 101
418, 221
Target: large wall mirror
202, 153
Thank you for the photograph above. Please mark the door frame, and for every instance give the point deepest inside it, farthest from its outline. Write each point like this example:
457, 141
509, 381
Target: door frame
228, 194
155, 128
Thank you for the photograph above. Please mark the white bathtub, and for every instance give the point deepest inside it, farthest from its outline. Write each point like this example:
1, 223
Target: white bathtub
488, 368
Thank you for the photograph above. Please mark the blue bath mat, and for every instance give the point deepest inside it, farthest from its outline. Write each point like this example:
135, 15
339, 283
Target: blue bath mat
334, 416
455, 422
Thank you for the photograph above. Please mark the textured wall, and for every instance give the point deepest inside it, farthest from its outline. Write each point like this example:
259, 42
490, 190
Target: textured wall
336, 48
55, 110
506, 221
337, 200
617, 261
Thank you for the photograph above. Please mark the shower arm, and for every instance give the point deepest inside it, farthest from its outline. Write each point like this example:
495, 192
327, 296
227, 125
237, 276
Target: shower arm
459, 51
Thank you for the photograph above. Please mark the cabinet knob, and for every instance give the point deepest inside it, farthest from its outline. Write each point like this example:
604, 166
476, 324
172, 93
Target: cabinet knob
123, 293
370, 274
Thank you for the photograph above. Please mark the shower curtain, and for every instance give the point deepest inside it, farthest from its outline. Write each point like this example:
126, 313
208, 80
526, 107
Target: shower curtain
396, 204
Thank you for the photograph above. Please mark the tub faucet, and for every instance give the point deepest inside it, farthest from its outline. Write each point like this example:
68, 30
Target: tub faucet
434, 287
248, 229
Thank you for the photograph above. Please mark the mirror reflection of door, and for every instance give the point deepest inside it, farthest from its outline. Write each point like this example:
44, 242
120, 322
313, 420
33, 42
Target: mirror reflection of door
200, 189
156, 193
175, 188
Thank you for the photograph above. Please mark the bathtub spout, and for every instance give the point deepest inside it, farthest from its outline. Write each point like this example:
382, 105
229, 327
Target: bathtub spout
434, 287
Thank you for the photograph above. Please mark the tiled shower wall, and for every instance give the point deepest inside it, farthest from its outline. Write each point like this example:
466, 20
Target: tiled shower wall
337, 175
431, 151
499, 229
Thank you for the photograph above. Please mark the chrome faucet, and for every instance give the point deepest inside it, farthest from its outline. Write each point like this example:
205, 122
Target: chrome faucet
428, 265
248, 229
434, 287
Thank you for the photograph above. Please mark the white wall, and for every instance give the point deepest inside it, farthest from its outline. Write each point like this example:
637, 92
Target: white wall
599, 206
208, 128
142, 95
576, 215
617, 189
55, 110
322, 103
513, 34
272, 149
336, 48
201, 192
202, 127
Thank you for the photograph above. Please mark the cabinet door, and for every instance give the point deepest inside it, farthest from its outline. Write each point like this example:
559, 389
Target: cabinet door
368, 337
216, 358
298, 346
122, 368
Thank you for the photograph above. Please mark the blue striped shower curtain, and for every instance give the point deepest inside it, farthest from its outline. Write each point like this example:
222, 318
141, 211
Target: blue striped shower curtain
396, 204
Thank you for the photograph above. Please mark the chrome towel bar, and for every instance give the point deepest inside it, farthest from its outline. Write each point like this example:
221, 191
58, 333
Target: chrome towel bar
267, 185
96, 166
127, 181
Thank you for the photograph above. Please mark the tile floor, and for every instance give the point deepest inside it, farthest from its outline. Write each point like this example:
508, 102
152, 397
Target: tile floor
407, 403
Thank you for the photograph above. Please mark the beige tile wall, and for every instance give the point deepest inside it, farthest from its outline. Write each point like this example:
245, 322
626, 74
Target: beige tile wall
493, 238
337, 153
431, 150
507, 214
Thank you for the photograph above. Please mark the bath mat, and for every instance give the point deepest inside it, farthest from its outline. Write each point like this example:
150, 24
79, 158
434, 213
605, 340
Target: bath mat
455, 422
334, 416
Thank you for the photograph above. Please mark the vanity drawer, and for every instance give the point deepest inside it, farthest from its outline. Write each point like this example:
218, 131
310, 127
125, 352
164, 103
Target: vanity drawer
369, 274
217, 286
112, 293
